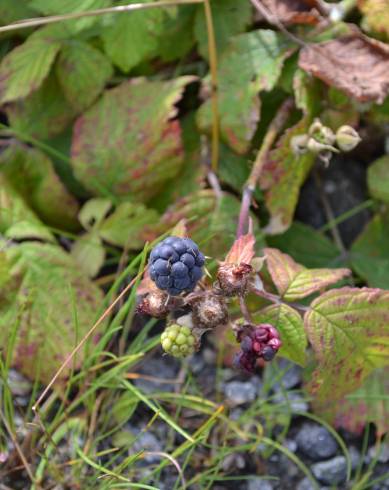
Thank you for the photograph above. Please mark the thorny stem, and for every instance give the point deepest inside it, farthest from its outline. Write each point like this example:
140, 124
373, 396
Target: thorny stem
274, 128
212, 53
39, 21
273, 298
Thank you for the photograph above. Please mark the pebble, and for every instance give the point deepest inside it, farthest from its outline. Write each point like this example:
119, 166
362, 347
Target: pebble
315, 442
381, 454
163, 368
292, 401
331, 472
241, 392
306, 484
258, 483
288, 374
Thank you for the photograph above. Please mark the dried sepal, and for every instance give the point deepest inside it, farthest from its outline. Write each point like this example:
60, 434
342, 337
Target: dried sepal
233, 279
209, 310
156, 303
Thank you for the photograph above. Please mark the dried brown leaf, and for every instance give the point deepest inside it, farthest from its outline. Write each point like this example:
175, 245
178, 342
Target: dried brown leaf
242, 251
291, 12
355, 64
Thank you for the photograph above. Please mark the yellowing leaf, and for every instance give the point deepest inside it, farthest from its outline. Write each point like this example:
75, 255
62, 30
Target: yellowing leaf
294, 281
348, 330
378, 178
376, 15
89, 253
136, 146
53, 305
282, 176
82, 72
23, 69
291, 328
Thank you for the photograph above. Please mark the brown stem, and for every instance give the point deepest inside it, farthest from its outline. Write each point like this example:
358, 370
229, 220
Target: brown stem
274, 128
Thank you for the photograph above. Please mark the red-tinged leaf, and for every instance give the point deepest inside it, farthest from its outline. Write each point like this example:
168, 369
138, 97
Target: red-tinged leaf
294, 281
369, 403
242, 251
355, 64
292, 12
282, 176
349, 333
113, 164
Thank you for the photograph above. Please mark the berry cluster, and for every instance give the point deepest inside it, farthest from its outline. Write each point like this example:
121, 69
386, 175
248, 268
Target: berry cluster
176, 265
256, 341
178, 340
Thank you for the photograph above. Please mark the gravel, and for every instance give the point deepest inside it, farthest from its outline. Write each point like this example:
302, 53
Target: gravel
241, 392
331, 472
315, 442
258, 483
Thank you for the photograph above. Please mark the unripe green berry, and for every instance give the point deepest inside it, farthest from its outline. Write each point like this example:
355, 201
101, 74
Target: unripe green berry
178, 341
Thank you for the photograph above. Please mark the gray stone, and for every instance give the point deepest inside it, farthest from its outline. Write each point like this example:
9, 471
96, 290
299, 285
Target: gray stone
162, 369
258, 483
240, 392
150, 444
315, 442
355, 456
289, 374
331, 472
306, 484
291, 445
292, 401
380, 454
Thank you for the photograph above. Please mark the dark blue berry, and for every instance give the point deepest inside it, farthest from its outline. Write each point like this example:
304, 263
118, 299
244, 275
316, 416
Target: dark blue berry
179, 270
268, 353
176, 265
200, 259
188, 260
162, 267
164, 282
246, 345
196, 273
182, 283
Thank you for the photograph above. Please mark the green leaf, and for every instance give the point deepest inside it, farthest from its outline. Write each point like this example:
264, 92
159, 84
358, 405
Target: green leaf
17, 220
294, 281
27, 117
125, 225
32, 175
378, 179
23, 69
348, 330
113, 166
60, 7
291, 328
282, 176
370, 254
307, 246
93, 212
11, 11
250, 63
82, 72
133, 37
49, 325
229, 17
89, 253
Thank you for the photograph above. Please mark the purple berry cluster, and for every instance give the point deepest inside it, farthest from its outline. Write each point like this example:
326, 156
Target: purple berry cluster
176, 265
259, 341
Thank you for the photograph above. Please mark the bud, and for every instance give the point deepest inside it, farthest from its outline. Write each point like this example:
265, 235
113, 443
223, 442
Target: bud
209, 310
233, 278
299, 144
322, 134
347, 138
155, 304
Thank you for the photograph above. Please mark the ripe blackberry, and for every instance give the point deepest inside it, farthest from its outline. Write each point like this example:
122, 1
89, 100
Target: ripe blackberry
176, 265
256, 341
178, 341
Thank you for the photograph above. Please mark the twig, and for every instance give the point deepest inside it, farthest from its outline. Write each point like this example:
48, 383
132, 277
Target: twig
245, 311
39, 21
274, 128
212, 53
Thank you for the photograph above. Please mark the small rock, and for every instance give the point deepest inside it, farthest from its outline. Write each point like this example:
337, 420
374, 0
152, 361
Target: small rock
287, 374
380, 453
315, 442
293, 401
240, 392
233, 462
291, 445
331, 472
160, 368
306, 484
258, 483
355, 457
